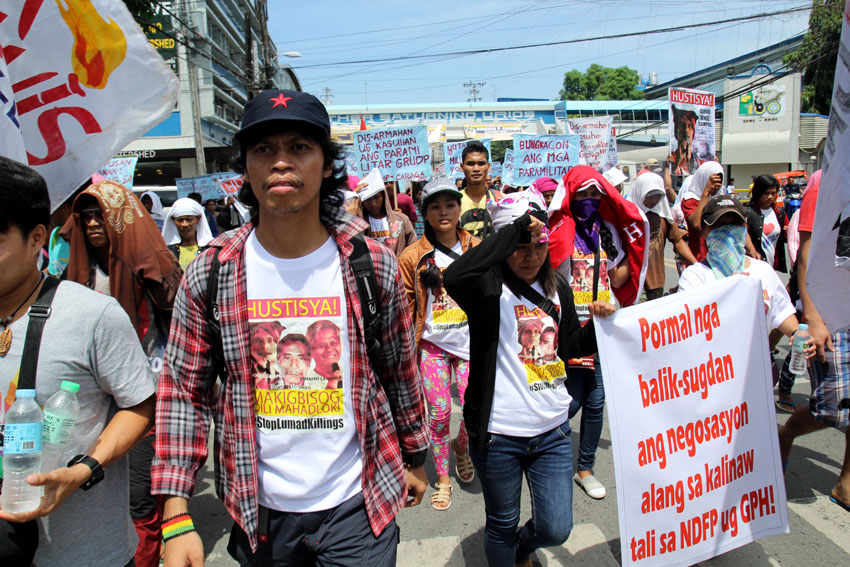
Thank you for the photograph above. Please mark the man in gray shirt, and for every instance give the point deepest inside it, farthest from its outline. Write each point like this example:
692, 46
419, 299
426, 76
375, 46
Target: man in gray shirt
84, 517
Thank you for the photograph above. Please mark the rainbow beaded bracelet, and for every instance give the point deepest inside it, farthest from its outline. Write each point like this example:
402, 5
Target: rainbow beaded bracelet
176, 526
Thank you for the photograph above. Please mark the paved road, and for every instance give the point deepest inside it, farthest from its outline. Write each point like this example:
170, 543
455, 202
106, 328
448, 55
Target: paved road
820, 530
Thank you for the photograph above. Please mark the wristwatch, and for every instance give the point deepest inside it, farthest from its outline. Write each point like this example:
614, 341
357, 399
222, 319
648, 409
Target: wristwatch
90, 462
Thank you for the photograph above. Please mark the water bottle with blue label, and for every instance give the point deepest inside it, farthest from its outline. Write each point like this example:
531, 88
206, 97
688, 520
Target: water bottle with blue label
21, 454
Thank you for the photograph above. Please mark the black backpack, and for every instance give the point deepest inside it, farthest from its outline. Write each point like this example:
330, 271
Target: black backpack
367, 289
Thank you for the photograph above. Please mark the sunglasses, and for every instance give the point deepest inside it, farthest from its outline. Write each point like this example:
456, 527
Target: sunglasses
88, 214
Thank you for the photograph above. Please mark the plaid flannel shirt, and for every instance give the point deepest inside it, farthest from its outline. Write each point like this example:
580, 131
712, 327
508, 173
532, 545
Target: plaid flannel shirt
389, 407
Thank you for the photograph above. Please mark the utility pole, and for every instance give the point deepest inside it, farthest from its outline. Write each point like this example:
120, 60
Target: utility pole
327, 97
189, 36
473, 87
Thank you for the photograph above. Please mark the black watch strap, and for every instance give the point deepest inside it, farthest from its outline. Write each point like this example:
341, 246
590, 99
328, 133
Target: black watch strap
90, 462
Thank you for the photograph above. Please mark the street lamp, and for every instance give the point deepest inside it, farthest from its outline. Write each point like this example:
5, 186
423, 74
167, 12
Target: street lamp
291, 54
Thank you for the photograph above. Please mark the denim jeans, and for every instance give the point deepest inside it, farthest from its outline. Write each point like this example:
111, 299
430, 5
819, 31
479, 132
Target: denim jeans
546, 460
585, 386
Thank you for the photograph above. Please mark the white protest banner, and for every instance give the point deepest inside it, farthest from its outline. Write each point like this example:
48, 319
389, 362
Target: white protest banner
828, 276
545, 155
87, 82
594, 135
696, 453
508, 167
612, 150
453, 153
120, 170
400, 153
691, 128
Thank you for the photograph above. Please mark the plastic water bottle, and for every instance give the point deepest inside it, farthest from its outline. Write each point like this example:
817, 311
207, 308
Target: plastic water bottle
21, 454
798, 357
60, 415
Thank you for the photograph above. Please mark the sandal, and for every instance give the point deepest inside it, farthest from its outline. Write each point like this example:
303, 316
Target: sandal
463, 465
441, 500
785, 406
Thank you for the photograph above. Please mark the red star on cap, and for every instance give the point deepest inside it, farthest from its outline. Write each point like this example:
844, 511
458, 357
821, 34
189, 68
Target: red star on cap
280, 99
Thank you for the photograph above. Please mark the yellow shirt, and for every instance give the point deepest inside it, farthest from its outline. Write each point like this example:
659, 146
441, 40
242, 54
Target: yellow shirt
187, 254
474, 217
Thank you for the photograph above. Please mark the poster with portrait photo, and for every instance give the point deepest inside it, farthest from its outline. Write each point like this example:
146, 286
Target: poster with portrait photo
537, 342
296, 363
690, 129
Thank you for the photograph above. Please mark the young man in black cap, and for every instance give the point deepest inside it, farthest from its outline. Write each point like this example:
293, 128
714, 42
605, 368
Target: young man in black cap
310, 472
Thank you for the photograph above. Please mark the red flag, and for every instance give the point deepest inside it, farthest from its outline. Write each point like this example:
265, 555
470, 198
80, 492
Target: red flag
362, 123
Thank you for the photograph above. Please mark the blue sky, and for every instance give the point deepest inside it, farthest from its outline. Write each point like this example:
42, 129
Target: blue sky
337, 32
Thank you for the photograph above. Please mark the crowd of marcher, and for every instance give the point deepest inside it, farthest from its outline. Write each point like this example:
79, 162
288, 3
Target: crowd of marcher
320, 321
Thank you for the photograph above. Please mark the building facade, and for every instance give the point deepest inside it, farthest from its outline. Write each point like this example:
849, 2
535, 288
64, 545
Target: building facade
225, 47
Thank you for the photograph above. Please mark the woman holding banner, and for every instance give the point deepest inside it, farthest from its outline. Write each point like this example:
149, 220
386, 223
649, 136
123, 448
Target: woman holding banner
442, 333
598, 232
516, 409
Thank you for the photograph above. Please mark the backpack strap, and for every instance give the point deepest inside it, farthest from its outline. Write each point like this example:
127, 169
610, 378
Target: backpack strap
213, 315
39, 312
367, 289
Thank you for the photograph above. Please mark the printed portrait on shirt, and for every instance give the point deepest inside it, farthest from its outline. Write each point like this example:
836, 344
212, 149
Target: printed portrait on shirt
297, 363
537, 340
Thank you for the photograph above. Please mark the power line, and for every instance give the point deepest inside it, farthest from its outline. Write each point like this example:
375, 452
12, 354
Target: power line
564, 42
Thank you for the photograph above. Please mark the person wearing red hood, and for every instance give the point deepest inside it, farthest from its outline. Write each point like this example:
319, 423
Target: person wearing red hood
599, 243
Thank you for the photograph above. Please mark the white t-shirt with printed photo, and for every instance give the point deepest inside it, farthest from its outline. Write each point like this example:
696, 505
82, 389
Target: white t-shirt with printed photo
379, 228
530, 396
446, 325
309, 453
579, 271
777, 303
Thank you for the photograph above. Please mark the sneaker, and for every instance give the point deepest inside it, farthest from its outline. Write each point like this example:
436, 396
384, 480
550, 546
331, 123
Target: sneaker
591, 486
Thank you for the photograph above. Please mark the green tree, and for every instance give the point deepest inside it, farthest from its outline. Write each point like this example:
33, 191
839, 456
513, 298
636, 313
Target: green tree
817, 56
601, 83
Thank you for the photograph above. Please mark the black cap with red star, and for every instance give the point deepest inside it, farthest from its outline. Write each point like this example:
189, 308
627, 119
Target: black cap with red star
285, 105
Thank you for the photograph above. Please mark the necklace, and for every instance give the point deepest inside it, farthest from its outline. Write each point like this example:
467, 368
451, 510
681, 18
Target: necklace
6, 333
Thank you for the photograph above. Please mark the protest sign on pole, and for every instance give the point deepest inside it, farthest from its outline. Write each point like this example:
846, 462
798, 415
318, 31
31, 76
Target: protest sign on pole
828, 276
495, 169
612, 150
594, 136
693, 427
546, 155
87, 82
690, 128
508, 167
453, 152
399, 153
213, 186
120, 170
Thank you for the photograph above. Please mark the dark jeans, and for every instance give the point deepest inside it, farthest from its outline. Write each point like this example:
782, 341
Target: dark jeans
339, 536
585, 386
546, 461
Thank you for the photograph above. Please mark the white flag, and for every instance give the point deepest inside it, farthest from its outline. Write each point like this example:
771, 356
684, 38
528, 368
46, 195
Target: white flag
84, 81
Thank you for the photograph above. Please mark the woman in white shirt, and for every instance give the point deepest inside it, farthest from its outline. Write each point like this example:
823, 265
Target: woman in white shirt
517, 405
